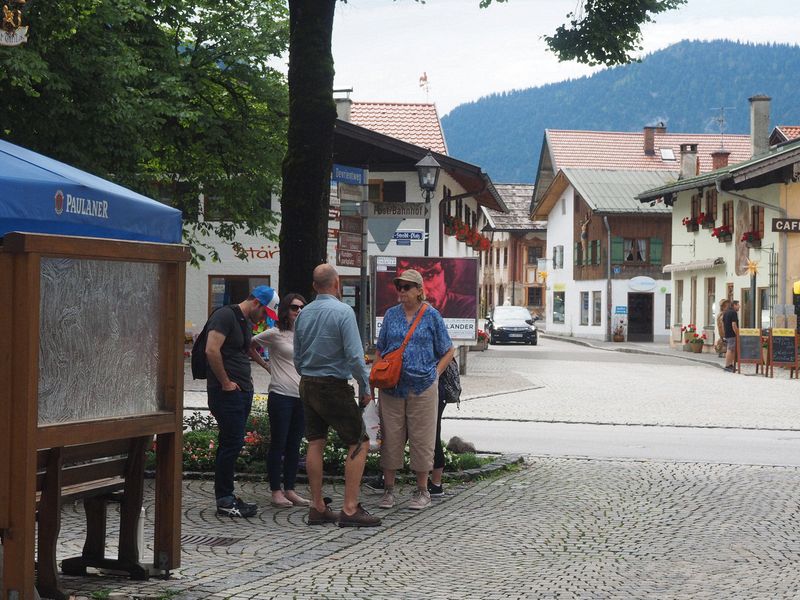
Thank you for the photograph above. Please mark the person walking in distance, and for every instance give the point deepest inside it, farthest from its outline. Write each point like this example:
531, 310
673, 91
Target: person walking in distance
283, 404
230, 388
721, 346
730, 321
327, 352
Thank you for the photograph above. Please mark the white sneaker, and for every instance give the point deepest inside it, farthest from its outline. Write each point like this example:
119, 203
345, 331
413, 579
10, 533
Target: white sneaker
419, 500
387, 501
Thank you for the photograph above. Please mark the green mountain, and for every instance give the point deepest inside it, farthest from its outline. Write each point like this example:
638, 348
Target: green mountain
682, 85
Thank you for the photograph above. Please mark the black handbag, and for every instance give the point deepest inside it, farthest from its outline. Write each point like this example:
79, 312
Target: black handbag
450, 384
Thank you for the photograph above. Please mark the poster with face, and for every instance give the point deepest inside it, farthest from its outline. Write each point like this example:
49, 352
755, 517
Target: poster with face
450, 284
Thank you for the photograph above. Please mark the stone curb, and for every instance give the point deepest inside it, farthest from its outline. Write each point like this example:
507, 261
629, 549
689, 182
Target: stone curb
629, 349
503, 462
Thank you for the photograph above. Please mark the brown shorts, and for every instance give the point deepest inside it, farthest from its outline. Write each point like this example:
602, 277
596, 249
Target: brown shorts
330, 402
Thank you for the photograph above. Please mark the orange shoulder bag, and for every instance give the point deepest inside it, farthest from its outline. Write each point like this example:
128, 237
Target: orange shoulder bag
385, 372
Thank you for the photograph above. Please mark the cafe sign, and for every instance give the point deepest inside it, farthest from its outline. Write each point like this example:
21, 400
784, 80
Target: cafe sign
786, 225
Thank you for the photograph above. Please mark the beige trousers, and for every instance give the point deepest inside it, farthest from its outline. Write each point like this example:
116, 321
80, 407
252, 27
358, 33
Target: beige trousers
412, 419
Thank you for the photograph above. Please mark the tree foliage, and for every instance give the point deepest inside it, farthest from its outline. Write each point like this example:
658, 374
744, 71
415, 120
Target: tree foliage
172, 98
606, 32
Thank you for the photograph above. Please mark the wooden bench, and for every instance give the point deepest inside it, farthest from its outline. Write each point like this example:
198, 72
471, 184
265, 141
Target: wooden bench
97, 473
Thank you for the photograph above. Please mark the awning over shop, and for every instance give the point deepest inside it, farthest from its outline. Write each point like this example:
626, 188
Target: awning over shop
694, 265
41, 195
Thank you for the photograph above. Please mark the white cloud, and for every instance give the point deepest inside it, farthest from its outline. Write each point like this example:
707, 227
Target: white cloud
381, 47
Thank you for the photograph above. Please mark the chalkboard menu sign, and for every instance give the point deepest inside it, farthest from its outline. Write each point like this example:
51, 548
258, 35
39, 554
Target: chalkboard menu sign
783, 349
748, 347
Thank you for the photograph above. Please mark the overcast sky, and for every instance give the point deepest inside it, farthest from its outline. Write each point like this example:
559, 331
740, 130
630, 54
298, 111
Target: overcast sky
382, 47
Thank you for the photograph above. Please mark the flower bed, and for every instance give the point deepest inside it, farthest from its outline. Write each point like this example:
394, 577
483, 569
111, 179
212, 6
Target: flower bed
723, 233
200, 447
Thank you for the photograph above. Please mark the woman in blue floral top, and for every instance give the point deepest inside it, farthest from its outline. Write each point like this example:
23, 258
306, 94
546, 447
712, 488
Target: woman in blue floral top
408, 411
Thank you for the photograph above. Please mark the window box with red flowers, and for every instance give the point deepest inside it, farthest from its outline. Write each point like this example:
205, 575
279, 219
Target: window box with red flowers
752, 239
705, 221
690, 223
723, 233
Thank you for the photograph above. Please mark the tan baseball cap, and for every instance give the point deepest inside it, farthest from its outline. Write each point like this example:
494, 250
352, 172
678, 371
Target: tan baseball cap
410, 275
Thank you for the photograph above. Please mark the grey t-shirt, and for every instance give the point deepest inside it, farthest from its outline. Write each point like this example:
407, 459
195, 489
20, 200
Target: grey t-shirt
235, 359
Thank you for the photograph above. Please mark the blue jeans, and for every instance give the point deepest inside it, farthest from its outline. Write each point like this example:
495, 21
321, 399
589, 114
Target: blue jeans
286, 432
231, 410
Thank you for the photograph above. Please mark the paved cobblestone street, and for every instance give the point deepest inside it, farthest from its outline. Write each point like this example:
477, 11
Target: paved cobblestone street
558, 528
555, 528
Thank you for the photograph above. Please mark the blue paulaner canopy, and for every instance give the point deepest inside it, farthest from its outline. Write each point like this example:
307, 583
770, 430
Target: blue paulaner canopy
41, 195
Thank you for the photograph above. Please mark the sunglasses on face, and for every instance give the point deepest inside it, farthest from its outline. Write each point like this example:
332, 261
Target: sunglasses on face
295, 307
404, 287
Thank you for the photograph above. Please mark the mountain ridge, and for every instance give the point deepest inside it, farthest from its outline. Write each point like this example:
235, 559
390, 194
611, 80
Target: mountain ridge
503, 132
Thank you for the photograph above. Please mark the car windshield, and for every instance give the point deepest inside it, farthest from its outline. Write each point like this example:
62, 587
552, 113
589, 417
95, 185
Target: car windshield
509, 313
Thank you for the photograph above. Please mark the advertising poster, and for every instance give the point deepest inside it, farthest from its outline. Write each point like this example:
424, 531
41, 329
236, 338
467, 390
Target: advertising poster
451, 287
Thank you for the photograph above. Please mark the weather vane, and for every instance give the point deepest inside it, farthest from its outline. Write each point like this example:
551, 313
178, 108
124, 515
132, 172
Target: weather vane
12, 32
423, 83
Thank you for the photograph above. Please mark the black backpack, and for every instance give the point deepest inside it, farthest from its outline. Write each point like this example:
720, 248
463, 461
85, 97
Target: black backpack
199, 360
450, 385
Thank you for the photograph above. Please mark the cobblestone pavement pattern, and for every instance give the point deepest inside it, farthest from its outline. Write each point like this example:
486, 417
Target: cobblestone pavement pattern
558, 528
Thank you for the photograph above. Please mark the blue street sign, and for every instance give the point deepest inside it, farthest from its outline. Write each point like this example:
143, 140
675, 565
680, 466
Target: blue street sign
406, 235
403, 242
621, 310
352, 175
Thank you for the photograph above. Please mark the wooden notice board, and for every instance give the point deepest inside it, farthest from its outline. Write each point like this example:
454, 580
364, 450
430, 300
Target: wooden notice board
748, 348
783, 350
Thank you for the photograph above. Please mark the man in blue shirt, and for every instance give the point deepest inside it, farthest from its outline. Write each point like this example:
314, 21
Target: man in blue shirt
327, 352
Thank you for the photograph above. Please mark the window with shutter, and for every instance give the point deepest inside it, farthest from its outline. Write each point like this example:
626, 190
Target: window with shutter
597, 252
576, 254
656, 246
617, 250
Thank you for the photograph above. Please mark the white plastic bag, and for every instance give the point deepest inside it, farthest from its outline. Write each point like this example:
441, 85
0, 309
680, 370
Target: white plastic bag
372, 423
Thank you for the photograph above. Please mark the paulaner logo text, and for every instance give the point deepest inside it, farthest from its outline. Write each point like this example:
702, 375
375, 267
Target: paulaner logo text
84, 206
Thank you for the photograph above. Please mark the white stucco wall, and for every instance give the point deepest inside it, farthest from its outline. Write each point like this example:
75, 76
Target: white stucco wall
560, 233
692, 246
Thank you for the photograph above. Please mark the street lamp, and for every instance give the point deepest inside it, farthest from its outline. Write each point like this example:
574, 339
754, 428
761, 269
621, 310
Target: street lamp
428, 171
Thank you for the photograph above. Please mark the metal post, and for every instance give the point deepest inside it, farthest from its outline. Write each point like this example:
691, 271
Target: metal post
362, 299
753, 300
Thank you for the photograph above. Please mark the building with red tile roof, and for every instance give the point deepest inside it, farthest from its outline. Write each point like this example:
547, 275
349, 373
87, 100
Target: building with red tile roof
784, 133
415, 123
652, 149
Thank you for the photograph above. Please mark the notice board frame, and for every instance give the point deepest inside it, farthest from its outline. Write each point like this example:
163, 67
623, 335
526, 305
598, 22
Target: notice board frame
741, 359
21, 435
794, 371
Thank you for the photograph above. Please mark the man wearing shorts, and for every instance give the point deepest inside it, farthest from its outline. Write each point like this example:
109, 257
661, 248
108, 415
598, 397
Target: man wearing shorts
730, 322
327, 352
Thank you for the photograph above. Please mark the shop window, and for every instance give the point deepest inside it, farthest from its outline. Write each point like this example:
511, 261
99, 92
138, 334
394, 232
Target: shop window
394, 191
534, 296
668, 311
597, 308
584, 308
231, 289
558, 307
711, 293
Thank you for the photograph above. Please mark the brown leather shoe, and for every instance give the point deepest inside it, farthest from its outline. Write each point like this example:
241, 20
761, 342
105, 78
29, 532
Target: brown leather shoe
315, 517
361, 518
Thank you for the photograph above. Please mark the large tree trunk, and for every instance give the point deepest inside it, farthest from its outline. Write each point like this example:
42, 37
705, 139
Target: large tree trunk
307, 166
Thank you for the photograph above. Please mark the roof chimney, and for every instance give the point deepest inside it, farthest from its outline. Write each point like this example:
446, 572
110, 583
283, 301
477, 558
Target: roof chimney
343, 107
650, 137
688, 161
719, 159
759, 124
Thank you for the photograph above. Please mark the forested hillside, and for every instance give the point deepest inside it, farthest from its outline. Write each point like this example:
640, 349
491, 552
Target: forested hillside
682, 85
